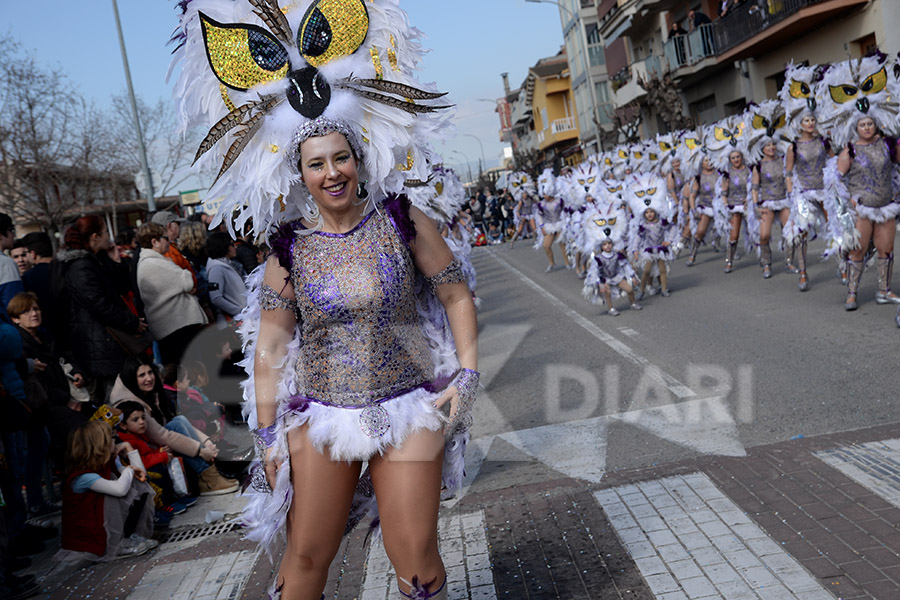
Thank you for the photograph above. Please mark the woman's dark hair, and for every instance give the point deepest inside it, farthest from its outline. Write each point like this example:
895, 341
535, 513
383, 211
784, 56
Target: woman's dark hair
125, 237
78, 236
155, 399
217, 244
128, 408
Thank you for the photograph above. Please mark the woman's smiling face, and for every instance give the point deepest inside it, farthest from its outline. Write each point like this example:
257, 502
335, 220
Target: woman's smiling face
329, 171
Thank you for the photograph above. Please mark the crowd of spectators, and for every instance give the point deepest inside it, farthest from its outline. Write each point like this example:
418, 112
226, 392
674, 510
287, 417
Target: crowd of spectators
491, 217
106, 350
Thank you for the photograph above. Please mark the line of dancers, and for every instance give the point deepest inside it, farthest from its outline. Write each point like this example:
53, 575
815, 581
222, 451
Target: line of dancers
820, 161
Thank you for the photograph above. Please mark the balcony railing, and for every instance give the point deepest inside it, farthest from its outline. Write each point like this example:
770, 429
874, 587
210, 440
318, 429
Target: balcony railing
563, 125
750, 18
686, 50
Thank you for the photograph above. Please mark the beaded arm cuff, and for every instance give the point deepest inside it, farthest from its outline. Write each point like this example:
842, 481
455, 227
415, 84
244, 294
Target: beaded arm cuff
269, 299
466, 388
452, 273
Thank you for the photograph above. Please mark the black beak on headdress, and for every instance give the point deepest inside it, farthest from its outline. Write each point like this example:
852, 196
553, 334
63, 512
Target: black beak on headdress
587, 189
733, 142
863, 105
647, 202
811, 103
607, 231
308, 92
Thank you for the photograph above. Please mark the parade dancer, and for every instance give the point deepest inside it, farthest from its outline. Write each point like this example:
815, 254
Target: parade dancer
765, 124
863, 179
550, 210
728, 146
805, 161
703, 193
651, 230
522, 189
609, 274
584, 186
348, 325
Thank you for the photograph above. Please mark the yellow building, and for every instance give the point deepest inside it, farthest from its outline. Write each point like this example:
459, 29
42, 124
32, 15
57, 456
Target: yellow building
548, 90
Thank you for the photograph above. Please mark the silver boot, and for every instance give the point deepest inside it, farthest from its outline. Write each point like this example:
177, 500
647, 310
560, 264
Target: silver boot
789, 261
729, 257
765, 260
854, 273
884, 295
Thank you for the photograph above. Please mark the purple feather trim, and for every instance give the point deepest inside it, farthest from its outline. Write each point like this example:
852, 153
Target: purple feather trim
420, 591
397, 208
282, 243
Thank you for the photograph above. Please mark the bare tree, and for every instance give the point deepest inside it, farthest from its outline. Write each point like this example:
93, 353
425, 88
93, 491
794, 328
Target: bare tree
169, 153
662, 94
55, 156
627, 121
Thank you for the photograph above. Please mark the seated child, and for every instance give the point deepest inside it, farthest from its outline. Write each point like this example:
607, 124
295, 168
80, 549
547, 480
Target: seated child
133, 429
107, 507
205, 415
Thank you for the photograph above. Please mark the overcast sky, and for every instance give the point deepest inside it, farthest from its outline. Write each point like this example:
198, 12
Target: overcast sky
471, 42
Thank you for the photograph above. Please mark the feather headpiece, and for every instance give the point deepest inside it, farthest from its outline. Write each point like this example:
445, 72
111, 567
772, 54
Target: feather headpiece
440, 196
255, 73
725, 137
667, 146
692, 150
646, 190
801, 95
547, 185
585, 181
765, 123
605, 221
520, 184
855, 89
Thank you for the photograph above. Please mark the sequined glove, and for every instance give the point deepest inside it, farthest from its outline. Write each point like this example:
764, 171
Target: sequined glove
263, 439
466, 388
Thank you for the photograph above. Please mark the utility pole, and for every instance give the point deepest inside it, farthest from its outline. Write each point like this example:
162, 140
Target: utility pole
148, 180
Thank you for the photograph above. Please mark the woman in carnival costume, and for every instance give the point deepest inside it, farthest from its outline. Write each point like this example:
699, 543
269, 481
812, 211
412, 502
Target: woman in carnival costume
584, 184
650, 230
521, 187
550, 212
695, 155
765, 124
863, 180
728, 147
676, 185
361, 313
804, 161
609, 274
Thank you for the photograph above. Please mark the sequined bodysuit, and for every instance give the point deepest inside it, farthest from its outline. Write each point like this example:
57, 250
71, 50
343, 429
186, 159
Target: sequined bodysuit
737, 187
361, 340
706, 183
810, 158
551, 211
869, 177
612, 267
772, 185
653, 234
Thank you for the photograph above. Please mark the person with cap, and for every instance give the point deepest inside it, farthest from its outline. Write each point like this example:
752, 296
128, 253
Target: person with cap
172, 225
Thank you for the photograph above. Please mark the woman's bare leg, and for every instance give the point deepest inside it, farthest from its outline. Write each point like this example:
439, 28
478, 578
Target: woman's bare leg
548, 247
323, 492
766, 219
407, 483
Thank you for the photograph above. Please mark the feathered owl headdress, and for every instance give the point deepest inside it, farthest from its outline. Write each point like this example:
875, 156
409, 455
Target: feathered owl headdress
585, 181
547, 185
520, 184
855, 89
605, 221
801, 95
765, 123
255, 73
725, 137
667, 146
692, 150
440, 196
646, 190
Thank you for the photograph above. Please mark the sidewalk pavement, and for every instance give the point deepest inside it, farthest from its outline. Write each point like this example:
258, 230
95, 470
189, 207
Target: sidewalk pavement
811, 519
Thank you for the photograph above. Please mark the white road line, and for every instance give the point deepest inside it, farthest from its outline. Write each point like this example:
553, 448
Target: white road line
690, 540
673, 385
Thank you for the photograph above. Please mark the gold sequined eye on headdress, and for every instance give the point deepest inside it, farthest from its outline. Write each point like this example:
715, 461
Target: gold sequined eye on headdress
872, 84
245, 56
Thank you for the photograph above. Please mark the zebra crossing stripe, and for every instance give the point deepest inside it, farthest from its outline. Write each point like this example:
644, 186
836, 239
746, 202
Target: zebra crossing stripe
464, 550
691, 541
875, 465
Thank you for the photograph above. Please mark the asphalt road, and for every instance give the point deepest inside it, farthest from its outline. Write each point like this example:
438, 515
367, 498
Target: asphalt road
726, 363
